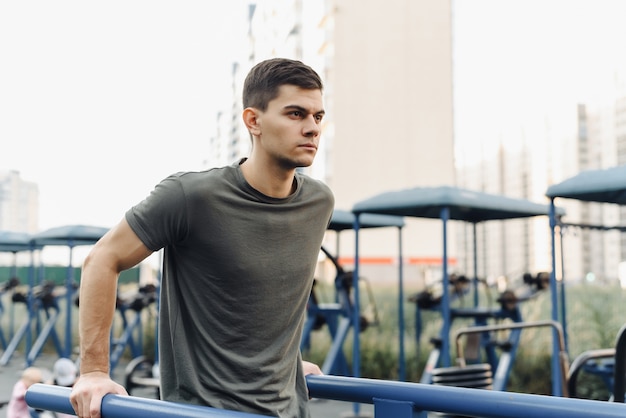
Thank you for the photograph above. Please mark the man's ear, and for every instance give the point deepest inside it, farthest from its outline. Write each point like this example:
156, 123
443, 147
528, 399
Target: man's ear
251, 119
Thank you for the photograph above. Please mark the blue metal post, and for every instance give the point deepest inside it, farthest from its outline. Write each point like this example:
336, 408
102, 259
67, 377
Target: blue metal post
445, 299
396, 409
402, 366
356, 315
475, 264
30, 304
557, 390
562, 286
69, 292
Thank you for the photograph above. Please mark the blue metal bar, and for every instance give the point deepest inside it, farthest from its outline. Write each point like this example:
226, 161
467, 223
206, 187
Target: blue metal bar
445, 299
3, 340
402, 359
335, 362
562, 286
48, 330
556, 382
475, 245
356, 319
56, 398
69, 286
455, 400
397, 409
30, 302
619, 366
127, 338
392, 399
15, 341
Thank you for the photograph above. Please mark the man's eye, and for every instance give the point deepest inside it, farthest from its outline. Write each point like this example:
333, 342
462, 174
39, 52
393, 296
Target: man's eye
319, 117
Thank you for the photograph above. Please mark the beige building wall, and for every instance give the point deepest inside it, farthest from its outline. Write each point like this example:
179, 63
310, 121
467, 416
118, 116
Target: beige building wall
391, 77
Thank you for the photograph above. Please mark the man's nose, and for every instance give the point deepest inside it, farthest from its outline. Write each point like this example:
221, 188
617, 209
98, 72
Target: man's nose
311, 126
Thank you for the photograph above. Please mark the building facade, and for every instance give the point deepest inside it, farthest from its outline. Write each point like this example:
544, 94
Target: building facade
19, 203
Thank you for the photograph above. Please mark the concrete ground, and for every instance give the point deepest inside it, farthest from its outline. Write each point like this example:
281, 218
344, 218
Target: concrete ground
9, 374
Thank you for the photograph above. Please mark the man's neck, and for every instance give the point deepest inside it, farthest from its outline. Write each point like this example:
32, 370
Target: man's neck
268, 179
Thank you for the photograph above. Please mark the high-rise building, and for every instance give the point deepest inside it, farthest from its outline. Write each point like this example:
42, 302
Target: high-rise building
595, 254
393, 117
19, 203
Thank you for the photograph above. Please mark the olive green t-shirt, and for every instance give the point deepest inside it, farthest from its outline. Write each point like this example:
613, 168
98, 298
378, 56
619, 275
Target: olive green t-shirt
237, 273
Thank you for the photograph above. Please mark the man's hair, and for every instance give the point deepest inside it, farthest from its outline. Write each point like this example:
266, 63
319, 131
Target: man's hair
265, 78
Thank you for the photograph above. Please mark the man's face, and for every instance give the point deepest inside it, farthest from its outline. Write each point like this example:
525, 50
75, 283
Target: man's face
290, 128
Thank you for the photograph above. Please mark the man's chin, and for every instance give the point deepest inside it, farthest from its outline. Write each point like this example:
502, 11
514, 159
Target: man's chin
302, 163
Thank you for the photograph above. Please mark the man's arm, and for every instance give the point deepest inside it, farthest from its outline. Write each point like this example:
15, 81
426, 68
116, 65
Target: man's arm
118, 250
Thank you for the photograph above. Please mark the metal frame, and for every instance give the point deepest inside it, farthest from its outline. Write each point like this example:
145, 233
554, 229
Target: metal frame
600, 186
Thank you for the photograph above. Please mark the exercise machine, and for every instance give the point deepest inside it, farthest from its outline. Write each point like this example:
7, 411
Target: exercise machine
484, 348
337, 317
41, 302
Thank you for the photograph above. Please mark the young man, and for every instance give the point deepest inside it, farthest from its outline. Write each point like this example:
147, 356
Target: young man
240, 247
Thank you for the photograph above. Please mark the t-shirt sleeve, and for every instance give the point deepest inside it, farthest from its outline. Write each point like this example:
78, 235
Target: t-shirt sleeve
161, 218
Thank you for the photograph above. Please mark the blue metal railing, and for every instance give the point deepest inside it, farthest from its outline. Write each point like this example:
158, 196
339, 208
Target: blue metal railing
391, 399
456, 400
57, 399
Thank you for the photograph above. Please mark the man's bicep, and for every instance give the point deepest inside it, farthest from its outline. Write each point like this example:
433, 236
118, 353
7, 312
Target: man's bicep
123, 246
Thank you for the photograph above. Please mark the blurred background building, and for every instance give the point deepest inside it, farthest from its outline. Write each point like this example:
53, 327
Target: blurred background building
19, 203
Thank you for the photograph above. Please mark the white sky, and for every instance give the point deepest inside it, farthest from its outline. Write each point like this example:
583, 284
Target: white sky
516, 59
101, 100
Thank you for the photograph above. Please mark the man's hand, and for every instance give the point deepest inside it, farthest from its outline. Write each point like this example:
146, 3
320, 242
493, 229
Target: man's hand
310, 368
88, 391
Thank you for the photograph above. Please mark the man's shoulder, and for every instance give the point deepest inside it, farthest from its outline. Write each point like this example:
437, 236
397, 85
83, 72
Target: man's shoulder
313, 183
318, 191
203, 175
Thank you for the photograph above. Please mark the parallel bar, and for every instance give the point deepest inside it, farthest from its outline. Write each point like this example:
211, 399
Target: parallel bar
462, 401
387, 395
57, 399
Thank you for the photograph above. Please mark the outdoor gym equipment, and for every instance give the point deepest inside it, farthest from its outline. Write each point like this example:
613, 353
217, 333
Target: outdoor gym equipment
337, 316
599, 186
341, 316
448, 203
69, 236
140, 373
484, 345
4, 288
508, 347
130, 307
40, 299
14, 242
